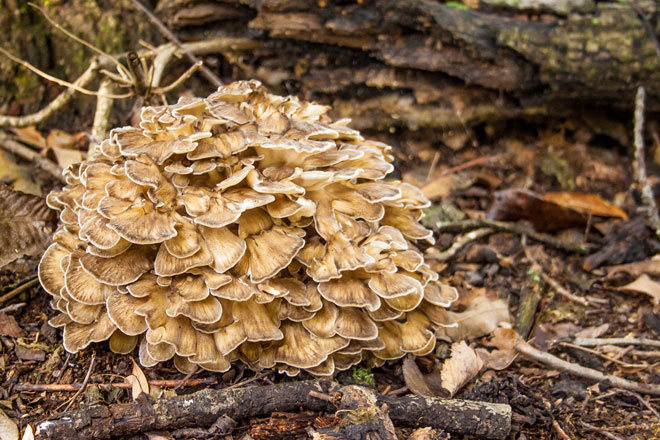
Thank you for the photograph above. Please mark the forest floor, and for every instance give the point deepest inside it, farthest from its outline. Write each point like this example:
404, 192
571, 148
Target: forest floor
469, 174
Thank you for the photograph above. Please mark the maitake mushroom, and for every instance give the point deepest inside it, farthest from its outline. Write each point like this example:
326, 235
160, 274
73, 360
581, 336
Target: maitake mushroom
244, 226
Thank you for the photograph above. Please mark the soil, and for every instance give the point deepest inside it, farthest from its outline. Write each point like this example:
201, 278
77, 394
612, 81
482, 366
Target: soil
545, 401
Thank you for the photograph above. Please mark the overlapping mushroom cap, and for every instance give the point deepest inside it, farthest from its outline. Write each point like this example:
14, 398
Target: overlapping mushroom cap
244, 226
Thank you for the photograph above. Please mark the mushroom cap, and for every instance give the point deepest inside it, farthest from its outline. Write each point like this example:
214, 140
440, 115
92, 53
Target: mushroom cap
243, 227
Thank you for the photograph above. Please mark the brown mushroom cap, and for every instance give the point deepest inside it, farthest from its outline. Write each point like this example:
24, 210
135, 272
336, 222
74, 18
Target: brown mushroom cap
243, 227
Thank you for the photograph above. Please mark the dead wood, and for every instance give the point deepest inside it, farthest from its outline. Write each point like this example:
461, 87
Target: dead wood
201, 409
423, 63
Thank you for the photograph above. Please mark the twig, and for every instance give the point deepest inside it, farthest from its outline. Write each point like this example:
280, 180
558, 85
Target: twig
56, 104
83, 386
553, 361
187, 74
650, 208
9, 144
647, 25
560, 431
460, 243
554, 284
71, 35
642, 401
54, 79
466, 225
18, 290
604, 356
600, 431
170, 36
102, 115
595, 342
322, 396
70, 387
12, 308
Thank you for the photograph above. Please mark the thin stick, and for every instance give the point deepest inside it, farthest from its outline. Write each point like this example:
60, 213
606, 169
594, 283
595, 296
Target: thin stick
554, 284
642, 401
321, 396
56, 104
560, 431
56, 80
595, 342
101, 124
83, 386
650, 208
170, 36
466, 225
527, 350
647, 25
600, 431
53, 387
9, 144
187, 74
604, 356
460, 243
66, 32
18, 290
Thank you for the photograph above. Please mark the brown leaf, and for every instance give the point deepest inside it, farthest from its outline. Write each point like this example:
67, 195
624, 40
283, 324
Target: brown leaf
460, 368
650, 267
520, 204
415, 379
9, 326
586, 204
593, 332
138, 381
26, 224
8, 428
503, 339
60, 138
30, 135
481, 316
66, 156
29, 354
644, 284
444, 185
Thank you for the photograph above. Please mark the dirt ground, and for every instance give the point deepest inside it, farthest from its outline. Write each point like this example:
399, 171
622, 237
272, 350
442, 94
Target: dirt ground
462, 171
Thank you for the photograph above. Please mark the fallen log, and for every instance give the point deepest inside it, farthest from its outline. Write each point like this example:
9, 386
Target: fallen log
203, 408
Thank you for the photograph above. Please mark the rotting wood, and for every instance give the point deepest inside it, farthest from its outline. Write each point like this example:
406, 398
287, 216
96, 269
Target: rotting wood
201, 409
427, 64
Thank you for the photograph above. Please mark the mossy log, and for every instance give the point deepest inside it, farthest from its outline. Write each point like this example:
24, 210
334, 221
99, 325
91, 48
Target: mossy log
429, 64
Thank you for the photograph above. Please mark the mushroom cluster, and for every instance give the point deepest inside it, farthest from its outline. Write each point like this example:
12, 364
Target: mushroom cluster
243, 226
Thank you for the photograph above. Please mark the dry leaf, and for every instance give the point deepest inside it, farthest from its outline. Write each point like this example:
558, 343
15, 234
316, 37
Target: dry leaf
503, 339
9, 326
66, 156
30, 135
644, 284
26, 225
19, 176
8, 429
481, 316
138, 381
28, 434
593, 332
586, 204
415, 379
460, 368
649, 267
60, 138
442, 186
520, 204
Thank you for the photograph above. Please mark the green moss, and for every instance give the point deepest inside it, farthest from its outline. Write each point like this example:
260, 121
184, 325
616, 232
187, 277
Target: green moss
457, 5
363, 376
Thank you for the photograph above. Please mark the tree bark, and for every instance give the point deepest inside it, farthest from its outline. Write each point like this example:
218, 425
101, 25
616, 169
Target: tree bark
423, 63
201, 409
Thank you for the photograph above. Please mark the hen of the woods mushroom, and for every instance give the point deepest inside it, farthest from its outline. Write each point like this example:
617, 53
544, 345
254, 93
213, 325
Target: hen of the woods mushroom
244, 226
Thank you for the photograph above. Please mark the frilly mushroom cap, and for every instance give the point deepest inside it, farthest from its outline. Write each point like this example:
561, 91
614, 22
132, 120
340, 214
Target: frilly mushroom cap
244, 226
